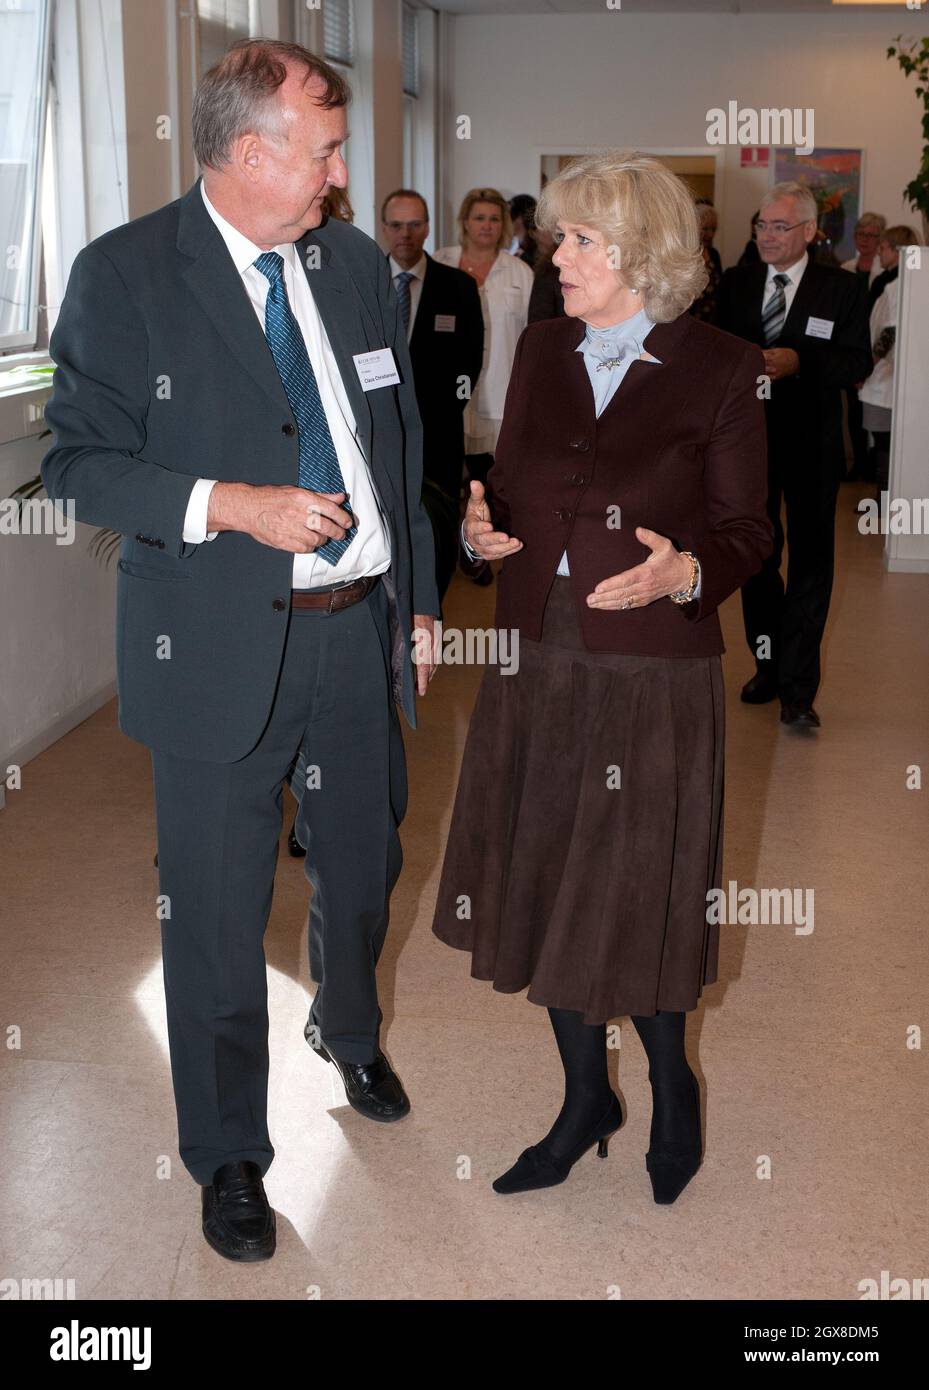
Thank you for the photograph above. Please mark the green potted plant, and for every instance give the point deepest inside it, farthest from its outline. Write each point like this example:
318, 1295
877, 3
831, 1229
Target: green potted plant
913, 57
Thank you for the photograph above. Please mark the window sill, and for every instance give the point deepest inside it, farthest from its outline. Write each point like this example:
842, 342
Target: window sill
23, 394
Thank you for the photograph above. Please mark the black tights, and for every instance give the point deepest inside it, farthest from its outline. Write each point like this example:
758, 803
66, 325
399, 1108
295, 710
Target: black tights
588, 1093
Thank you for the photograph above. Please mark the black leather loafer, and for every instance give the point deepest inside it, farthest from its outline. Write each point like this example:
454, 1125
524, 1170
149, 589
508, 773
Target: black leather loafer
759, 690
800, 716
238, 1220
372, 1088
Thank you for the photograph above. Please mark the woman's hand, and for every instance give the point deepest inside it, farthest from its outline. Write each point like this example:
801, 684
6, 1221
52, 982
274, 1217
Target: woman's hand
666, 571
479, 529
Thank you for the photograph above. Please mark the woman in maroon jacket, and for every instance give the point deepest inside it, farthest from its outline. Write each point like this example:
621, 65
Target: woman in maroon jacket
627, 499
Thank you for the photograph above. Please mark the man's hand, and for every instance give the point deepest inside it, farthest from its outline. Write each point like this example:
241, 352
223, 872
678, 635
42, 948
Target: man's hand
424, 650
285, 518
780, 362
666, 571
479, 529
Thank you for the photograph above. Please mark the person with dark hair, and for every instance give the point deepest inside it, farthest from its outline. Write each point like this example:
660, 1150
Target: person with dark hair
546, 300
522, 217
704, 306
751, 254
286, 583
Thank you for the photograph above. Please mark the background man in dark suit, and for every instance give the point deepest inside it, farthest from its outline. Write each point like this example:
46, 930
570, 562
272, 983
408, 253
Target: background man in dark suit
442, 311
223, 383
812, 322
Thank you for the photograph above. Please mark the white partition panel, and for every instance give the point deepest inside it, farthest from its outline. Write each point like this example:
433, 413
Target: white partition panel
909, 441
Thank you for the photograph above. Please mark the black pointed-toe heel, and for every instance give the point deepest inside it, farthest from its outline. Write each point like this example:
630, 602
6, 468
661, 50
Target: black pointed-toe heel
293, 844
536, 1167
671, 1166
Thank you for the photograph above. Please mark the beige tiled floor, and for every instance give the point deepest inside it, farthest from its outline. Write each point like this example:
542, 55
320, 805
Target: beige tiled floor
800, 1047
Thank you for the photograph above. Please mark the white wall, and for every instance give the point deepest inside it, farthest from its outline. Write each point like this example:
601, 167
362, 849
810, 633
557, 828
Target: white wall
571, 82
57, 662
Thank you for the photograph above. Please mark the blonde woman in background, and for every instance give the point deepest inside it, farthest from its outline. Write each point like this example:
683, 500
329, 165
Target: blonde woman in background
505, 284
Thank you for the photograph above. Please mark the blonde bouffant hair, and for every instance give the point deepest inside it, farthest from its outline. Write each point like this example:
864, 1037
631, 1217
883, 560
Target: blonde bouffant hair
646, 213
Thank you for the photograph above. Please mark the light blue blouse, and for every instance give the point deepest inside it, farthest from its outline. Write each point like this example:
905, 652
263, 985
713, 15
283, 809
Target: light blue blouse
608, 355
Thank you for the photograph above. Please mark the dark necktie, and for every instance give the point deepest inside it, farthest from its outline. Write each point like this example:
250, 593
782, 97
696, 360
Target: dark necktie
772, 320
402, 282
319, 463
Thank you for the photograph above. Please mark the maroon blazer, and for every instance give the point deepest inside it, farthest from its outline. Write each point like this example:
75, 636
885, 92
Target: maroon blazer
681, 449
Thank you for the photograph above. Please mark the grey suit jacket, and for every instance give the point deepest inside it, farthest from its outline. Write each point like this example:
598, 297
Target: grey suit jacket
163, 375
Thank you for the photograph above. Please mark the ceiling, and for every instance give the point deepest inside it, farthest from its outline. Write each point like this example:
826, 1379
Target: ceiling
500, 7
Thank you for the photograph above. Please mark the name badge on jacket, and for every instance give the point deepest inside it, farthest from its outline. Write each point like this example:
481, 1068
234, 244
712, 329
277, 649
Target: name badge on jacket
819, 328
376, 368
445, 323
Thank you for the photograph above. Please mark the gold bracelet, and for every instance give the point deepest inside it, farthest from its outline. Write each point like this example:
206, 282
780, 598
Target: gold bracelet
686, 595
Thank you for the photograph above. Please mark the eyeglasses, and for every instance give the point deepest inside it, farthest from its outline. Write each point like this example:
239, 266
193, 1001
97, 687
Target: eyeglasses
409, 226
779, 228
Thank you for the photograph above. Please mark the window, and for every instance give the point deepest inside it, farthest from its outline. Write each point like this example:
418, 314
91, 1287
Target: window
23, 91
410, 52
338, 32
221, 23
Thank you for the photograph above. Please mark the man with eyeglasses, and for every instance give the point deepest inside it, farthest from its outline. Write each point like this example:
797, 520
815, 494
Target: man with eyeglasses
441, 307
811, 320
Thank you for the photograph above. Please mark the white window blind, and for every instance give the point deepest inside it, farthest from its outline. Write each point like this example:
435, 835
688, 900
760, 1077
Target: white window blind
410, 52
338, 32
23, 94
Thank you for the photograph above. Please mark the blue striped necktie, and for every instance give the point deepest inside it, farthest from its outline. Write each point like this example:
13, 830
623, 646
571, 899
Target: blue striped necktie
319, 463
402, 283
775, 315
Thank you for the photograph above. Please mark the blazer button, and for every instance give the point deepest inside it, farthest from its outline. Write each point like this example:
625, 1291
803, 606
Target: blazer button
581, 444
575, 478
288, 429
562, 515
278, 605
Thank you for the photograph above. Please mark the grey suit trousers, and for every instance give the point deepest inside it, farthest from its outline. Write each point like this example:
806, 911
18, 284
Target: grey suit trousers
334, 732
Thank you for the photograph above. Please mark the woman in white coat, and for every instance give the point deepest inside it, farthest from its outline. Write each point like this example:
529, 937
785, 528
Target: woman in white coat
505, 285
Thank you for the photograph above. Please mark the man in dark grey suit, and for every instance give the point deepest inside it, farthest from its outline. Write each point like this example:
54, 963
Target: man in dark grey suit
234, 395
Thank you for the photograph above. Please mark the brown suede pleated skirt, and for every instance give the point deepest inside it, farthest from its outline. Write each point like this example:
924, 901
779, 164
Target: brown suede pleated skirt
587, 827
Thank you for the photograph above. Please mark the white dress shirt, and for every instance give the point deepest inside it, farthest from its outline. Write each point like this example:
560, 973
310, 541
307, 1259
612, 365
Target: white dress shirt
369, 551
418, 271
794, 275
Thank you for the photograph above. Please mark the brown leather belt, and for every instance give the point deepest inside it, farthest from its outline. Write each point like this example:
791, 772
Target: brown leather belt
333, 599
